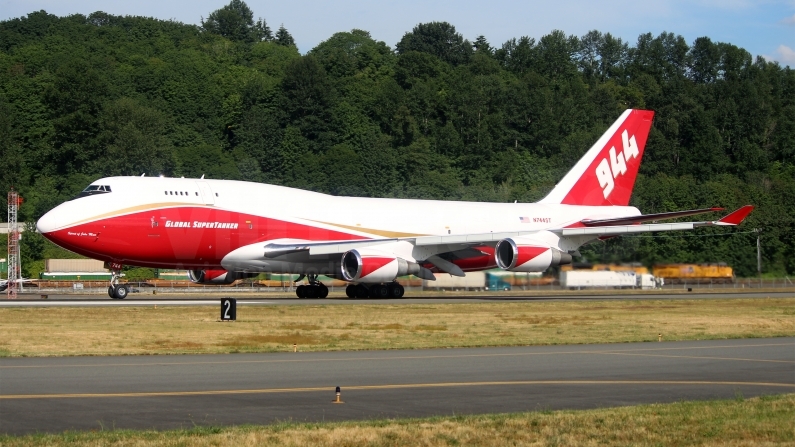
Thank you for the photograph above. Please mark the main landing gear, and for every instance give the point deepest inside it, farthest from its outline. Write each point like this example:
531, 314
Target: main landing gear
391, 290
115, 290
315, 289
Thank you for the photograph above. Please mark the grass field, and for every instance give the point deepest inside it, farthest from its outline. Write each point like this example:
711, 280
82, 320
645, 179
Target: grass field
763, 421
179, 330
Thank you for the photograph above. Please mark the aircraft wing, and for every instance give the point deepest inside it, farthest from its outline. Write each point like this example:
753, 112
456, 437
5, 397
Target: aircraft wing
442, 250
461, 243
734, 218
645, 218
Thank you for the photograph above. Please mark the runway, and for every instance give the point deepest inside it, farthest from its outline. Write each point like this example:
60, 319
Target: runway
154, 392
199, 300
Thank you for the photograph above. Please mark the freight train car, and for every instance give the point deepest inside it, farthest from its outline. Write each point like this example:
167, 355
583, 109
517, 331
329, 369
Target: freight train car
694, 273
631, 267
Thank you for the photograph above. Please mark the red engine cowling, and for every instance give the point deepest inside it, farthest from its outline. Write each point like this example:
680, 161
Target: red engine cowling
217, 276
517, 255
375, 267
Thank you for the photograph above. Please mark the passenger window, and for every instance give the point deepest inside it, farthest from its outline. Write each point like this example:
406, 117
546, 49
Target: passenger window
166, 192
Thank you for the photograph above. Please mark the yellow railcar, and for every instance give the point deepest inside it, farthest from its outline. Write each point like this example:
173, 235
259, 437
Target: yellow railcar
681, 273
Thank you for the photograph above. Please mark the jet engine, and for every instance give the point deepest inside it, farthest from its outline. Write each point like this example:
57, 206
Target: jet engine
217, 276
524, 255
375, 267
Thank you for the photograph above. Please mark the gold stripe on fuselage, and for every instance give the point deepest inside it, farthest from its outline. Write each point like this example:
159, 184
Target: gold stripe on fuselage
382, 233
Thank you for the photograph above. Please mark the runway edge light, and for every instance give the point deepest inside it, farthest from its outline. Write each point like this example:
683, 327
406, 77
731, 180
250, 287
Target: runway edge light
337, 400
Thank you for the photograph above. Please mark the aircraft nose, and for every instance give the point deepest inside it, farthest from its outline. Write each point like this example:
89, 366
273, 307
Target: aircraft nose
50, 221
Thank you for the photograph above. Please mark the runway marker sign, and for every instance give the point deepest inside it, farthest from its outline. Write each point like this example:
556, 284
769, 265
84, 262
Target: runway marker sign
228, 309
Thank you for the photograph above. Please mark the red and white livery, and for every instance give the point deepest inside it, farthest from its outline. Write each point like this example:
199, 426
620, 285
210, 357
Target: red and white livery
225, 230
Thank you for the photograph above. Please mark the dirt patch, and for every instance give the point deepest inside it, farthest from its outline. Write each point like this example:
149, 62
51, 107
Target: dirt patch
256, 340
173, 344
429, 327
381, 327
300, 327
649, 307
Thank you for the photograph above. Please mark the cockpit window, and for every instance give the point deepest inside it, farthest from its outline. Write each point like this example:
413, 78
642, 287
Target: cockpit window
94, 189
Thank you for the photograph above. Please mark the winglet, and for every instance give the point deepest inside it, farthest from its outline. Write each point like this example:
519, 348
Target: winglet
737, 216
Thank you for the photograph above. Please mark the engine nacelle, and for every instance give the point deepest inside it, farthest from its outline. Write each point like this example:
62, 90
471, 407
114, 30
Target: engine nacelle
521, 255
375, 267
217, 276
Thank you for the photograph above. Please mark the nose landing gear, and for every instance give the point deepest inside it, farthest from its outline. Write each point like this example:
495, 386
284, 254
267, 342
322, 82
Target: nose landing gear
315, 288
115, 290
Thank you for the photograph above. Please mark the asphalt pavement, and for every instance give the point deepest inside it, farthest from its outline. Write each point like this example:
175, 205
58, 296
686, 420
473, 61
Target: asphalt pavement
163, 392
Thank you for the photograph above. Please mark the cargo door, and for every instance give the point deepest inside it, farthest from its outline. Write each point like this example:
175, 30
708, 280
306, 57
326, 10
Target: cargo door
206, 192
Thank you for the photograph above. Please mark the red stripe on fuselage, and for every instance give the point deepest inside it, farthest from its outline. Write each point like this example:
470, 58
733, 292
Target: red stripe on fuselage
143, 239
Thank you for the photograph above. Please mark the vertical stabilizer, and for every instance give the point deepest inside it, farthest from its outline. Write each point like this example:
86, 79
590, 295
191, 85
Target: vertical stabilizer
606, 174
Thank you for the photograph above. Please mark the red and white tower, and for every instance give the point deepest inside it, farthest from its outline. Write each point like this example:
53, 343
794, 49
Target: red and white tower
14, 269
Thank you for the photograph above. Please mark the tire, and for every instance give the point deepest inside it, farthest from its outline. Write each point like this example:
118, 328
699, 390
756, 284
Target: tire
350, 291
396, 290
122, 292
112, 292
311, 291
362, 291
323, 291
300, 291
379, 291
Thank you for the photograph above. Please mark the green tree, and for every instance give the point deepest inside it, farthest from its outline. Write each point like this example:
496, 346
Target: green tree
439, 39
235, 21
284, 38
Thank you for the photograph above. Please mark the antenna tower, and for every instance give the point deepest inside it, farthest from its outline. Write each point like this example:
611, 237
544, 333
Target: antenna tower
13, 245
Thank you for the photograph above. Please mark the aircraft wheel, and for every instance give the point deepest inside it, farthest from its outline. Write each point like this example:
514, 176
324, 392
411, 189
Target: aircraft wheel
350, 291
379, 291
362, 291
300, 291
112, 292
322, 291
311, 291
396, 290
121, 292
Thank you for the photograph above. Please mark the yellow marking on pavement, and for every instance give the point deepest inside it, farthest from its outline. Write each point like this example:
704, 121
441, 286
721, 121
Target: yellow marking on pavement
407, 357
394, 387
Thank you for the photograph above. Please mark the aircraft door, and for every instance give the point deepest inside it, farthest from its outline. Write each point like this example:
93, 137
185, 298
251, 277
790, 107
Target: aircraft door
206, 192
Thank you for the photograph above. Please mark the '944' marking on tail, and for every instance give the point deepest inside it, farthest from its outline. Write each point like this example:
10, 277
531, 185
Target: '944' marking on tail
608, 172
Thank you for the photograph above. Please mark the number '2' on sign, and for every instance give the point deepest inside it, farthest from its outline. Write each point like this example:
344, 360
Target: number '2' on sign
228, 309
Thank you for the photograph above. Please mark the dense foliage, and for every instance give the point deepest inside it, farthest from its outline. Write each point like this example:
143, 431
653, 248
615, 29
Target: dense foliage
438, 117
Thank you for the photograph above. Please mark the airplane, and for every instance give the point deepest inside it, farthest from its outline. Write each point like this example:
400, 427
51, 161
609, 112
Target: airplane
224, 230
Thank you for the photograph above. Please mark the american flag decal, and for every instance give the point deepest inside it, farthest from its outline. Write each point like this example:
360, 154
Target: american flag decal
524, 219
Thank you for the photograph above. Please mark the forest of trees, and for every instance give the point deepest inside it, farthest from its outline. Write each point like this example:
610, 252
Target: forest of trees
436, 116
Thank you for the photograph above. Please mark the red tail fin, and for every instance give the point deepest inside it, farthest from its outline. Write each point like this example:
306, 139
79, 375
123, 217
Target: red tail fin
606, 174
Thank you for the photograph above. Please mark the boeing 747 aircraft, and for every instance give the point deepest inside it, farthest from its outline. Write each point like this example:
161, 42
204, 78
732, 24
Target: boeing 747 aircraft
223, 230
